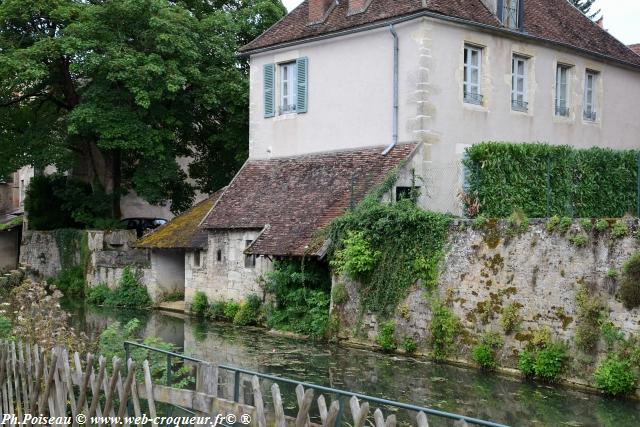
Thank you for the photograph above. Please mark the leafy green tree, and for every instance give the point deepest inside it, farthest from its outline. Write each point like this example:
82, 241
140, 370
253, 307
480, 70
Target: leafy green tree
585, 7
117, 92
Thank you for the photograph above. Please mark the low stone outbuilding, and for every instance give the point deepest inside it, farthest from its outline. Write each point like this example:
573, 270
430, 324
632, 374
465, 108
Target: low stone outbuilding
275, 208
176, 250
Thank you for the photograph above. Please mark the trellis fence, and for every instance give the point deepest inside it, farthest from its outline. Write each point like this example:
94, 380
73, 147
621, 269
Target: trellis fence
74, 390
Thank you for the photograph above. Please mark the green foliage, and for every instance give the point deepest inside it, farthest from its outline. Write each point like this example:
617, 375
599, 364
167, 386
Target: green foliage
518, 222
98, 295
620, 229
339, 294
615, 377
612, 273
230, 310
480, 221
550, 362
565, 223
356, 259
71, 282
586, 224
510, 318
552, 223
484, 352
249, 311
130, 292
579, 240
6, 328
385, 338
409, 345
200, 303
630, 282
122, 84
301, 292
445, 328
545, 180
612, 334
173, 296
527, 363
407, 243
602, 225
216, 310
587, 333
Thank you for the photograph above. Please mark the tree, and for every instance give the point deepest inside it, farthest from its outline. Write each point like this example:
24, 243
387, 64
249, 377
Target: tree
117, 92
585, 7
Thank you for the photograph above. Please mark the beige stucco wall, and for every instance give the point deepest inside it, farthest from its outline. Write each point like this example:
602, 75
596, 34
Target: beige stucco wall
350, 99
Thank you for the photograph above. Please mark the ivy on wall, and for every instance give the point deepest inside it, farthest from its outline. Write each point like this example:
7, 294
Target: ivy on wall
387, 247
545, 180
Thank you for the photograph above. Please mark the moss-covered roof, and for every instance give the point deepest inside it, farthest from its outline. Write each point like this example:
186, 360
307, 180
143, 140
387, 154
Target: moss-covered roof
182, 232
10, 222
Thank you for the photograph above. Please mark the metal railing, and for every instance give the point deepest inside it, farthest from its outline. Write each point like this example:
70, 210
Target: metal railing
518, 105
237, 372
473, 98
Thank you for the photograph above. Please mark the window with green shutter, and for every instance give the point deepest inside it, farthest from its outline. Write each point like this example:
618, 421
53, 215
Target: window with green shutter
269, 76
302, 92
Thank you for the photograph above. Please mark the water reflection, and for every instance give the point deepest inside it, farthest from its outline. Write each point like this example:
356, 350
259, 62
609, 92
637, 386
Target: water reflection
421, 382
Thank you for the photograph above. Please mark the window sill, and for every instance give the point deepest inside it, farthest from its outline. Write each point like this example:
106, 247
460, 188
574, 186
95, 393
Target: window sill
285, 116
475, 107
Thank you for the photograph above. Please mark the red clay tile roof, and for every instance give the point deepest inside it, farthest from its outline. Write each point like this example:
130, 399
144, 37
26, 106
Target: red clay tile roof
182, 232
292, 198
551, 20
635, 48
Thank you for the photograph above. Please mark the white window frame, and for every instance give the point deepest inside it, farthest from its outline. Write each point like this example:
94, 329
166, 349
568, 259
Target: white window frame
562, 90
589, 112
519, 98
472, 90
288, 72
510, 13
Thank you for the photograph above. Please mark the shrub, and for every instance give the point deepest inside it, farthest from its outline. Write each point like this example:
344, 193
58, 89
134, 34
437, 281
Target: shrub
602, 225
385, 338
620, 229
527, 363
230, 310
552, 223
564, 224
518, 222
302, 297
484, 353
71, 282
409, 345
216, 310
630, 282
589, 310
579, 240
357, 258
98, 295
173, 296
550, 362
339, 294
130, 292
249, 311
510, 317
444, 329
612, 273
586, 224
615, 377
199, 304
6, 328
480, 221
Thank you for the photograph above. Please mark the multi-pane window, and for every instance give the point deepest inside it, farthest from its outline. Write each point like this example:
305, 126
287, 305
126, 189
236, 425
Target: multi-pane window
472, 69
510, 13
288, 87
590, 95
519, 83
562, 90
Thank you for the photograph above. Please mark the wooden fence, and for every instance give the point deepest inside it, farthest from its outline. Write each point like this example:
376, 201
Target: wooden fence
57, 384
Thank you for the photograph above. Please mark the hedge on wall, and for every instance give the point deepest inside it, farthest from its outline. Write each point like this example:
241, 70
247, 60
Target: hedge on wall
546, 180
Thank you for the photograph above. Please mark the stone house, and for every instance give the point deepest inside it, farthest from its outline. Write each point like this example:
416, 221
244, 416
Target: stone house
419, 81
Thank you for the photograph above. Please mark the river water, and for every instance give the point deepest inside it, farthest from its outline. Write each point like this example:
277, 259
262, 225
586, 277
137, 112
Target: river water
418, 381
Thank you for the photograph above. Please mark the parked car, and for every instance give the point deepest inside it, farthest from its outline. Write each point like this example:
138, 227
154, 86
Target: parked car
142, 225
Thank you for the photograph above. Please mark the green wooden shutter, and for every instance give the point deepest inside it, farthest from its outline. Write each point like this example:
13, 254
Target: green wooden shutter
301, 102
269, 90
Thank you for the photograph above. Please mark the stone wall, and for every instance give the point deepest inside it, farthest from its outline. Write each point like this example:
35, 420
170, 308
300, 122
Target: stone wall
223, 273
487, 269
109, 253
9, 249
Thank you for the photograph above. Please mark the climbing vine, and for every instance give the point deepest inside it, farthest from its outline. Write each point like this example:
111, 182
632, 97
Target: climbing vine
73, 249
387, 247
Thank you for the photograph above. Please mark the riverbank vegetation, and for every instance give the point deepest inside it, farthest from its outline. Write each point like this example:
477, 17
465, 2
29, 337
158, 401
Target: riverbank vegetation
130, 292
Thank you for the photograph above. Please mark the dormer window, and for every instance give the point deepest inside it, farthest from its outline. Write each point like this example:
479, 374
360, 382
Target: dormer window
510, 13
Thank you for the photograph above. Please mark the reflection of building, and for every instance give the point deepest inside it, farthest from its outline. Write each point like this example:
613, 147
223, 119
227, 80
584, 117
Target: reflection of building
12, 195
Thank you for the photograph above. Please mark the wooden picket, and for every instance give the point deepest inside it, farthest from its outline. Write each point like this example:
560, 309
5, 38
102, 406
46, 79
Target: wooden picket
33, 381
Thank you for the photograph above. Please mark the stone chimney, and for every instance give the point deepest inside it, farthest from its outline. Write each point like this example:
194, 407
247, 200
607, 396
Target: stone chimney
318, 10
358, 6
